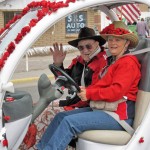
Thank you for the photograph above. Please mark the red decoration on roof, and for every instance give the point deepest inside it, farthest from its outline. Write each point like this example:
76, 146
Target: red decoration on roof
44, 8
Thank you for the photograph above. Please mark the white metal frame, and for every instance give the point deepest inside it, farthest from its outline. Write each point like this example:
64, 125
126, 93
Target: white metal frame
42, 26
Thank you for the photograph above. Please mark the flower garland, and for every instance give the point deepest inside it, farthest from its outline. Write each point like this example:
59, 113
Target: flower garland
112, 30
44, 8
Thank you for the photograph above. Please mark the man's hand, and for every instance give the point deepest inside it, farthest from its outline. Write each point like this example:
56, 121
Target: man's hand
58, 54
82, 94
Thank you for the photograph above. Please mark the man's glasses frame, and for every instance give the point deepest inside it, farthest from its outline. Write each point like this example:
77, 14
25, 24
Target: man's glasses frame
87, 46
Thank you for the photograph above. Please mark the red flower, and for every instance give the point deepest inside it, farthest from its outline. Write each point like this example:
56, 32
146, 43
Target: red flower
60, 4
44, 3
9, 99
30, 138
10, 22
25, 30
16, 18
5, 55
112, 30
11, 47
141, 140
7, 26
51, 4
25, 10
18, 38
40, 14
1, 63
33, 22
6, 118
68, 1
5, 142
45, 10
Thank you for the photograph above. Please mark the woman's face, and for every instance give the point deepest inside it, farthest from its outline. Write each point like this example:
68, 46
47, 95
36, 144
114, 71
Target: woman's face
87, 48
117, 46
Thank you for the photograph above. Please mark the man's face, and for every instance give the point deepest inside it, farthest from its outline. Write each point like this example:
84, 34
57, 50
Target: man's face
87, 48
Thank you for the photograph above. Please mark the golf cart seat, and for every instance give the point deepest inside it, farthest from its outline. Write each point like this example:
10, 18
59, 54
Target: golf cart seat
143, 43
19, 111
111, 137
20, 108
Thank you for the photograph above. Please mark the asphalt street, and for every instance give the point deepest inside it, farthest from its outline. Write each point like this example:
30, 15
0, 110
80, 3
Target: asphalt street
28, 80
36, 66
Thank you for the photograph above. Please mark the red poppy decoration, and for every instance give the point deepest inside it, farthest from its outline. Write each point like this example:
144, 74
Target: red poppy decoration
30, 138
6, 118
1, 63
25, 10
141, 140
5, 143
5, 55
9, 99
112, 30
25, 30
68, 1
33, 22
18, 38
44, 3
15, 18
40, 14
44, 8
11, 47
7, 26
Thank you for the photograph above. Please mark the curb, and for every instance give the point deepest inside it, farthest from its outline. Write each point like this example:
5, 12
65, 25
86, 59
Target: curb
25, 80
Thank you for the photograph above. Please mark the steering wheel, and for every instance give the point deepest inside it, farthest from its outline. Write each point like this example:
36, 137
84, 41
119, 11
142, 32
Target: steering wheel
54, 69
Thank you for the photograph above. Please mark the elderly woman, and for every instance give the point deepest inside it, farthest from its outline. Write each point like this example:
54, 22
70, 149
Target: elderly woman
118, 84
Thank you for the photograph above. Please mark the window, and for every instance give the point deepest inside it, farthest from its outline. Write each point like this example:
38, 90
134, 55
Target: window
75, 22
9, 15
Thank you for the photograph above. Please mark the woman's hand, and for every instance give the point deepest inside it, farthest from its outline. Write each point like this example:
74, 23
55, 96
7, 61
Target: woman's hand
82, 94
58, 54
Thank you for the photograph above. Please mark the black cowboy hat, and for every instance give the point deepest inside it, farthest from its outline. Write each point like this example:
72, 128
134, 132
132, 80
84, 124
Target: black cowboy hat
87, 33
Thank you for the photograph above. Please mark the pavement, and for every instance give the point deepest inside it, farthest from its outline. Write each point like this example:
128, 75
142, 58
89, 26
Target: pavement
30, 68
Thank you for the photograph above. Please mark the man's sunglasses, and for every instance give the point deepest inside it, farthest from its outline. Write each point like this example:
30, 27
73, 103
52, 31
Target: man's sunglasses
87, 46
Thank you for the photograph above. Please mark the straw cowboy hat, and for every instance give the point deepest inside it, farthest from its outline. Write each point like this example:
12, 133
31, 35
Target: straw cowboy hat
87, 33
119, 29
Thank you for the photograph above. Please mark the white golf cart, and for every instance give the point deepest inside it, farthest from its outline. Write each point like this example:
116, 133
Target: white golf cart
16, 115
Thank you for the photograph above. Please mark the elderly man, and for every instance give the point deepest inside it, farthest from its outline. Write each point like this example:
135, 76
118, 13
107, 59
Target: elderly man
85, 68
